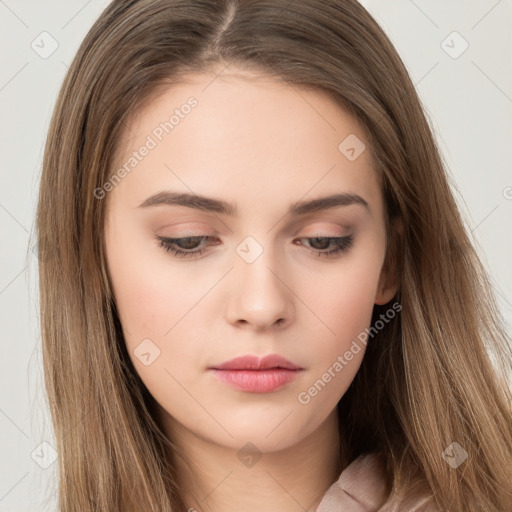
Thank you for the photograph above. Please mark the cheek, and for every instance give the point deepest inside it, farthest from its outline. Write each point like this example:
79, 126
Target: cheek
343, 300
148, 304
157, 309
153, 300
154, 305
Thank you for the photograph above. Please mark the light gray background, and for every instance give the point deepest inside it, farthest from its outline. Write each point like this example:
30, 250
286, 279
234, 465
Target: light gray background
468, 100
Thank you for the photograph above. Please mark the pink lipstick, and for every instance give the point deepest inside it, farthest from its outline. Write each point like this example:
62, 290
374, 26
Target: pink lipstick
257, 375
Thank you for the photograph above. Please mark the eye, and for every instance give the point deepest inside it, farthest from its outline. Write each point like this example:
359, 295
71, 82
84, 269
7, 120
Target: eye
338, 245
187, 247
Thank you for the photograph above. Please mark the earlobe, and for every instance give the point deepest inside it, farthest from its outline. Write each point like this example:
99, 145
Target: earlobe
389, 276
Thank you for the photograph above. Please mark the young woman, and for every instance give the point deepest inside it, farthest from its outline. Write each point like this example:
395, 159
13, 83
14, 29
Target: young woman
257, 290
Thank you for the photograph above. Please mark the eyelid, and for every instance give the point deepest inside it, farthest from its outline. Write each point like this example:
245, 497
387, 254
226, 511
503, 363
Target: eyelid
314, 234
324, 232
334, 230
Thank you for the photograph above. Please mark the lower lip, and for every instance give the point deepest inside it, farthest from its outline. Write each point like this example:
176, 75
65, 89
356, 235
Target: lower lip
257, 381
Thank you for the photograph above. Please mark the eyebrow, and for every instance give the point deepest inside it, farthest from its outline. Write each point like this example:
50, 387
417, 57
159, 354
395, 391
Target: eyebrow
210, 204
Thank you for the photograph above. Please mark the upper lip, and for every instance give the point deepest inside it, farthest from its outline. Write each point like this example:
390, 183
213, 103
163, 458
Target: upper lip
250, 362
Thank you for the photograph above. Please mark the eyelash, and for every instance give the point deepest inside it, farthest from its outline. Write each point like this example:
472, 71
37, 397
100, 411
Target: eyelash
342, 244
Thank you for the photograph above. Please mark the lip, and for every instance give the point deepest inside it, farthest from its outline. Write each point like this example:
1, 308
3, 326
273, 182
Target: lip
257, 375
250, 362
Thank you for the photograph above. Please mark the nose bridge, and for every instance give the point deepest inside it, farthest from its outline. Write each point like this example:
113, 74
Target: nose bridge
259, 258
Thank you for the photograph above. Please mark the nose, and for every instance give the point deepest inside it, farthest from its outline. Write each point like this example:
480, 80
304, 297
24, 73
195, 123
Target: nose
260, 295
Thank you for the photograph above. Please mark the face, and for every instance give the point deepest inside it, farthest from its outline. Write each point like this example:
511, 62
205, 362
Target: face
216, 250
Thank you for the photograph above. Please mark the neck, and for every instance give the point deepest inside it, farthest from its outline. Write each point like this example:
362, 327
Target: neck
217, 478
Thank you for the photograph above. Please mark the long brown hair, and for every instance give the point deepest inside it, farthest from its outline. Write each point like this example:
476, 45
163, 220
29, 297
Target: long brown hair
435, 375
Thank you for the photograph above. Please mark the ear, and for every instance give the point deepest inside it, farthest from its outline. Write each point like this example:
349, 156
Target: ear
389, 274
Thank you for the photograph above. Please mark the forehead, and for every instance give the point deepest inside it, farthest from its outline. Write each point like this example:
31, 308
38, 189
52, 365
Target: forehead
246, 138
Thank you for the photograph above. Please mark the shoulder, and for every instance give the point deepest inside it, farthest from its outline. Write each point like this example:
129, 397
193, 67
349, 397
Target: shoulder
362, 487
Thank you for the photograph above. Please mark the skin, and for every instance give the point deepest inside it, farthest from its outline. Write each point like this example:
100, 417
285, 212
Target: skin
262, 145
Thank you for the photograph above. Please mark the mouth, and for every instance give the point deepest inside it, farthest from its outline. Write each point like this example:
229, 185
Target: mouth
254, 375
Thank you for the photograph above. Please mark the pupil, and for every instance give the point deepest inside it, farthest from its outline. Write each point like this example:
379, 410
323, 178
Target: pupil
322, 245
188, 243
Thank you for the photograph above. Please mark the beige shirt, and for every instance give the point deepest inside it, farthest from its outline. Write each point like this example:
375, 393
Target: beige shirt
361, 488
